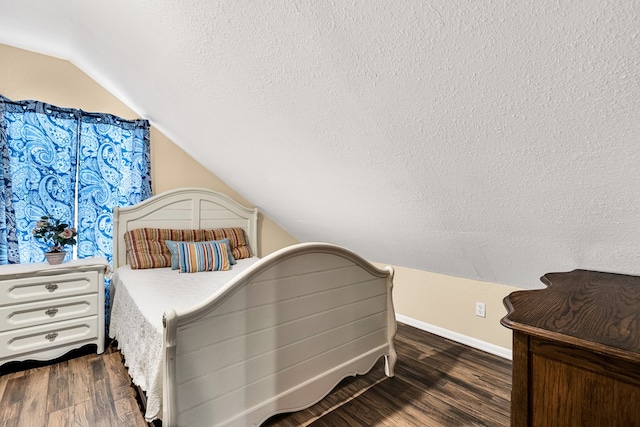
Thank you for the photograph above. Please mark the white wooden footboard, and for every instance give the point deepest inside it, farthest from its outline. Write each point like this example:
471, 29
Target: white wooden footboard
278, 338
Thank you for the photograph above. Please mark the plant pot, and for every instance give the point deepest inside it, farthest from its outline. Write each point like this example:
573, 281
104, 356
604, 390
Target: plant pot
54, 258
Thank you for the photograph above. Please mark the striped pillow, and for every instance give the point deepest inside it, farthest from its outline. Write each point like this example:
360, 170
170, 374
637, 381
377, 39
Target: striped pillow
237, 240
194, 257
173, 248
146, 247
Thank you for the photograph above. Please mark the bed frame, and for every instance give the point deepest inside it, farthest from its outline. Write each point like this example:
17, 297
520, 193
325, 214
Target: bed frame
277, 338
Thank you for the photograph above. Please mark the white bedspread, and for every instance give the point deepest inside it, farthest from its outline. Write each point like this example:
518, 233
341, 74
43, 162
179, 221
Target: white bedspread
140, 298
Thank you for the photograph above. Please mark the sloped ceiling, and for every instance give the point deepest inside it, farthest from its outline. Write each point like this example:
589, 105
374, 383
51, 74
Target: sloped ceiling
494, 140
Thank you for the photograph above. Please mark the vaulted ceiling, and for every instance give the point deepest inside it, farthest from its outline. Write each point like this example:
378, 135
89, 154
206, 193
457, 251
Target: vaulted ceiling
495, 140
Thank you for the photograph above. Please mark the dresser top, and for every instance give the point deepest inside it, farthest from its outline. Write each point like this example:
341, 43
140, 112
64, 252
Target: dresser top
36, 268
596, 310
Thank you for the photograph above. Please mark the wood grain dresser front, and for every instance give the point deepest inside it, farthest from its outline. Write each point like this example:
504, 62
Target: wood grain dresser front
576, 351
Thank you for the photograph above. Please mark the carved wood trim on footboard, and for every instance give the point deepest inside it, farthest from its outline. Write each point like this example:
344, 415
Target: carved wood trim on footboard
278, 338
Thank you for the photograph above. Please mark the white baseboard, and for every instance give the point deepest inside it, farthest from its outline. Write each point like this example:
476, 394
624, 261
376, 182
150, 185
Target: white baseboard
455, 336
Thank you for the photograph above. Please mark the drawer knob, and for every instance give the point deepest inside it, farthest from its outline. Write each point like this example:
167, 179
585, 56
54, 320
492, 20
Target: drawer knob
51, 312
51, 287
52, 336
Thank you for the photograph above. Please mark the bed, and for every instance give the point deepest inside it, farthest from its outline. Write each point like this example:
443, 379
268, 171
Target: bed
232, 348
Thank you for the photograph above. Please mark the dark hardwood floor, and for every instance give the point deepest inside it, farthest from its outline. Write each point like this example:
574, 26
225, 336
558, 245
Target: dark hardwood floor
437, 383
78, 390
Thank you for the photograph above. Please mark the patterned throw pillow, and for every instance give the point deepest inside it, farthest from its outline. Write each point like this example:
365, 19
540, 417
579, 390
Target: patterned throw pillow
237, 240
173, 248
146, 247
194, 257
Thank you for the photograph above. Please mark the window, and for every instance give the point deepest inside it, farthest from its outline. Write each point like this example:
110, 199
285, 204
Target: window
69, 164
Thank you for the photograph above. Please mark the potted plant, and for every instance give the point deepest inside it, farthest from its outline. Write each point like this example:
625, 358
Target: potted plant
56, 235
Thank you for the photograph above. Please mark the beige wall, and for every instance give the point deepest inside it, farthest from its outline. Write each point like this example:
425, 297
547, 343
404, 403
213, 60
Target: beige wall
186, 172
449, 302
28, 75
443, 301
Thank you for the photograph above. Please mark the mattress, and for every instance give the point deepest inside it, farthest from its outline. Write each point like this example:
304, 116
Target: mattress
140, 298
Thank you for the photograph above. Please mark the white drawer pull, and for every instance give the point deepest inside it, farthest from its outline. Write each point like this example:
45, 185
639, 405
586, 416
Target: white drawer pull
51, 286
52, 336
51, 312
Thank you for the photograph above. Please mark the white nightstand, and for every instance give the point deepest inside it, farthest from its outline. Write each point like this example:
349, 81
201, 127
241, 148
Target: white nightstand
47, 310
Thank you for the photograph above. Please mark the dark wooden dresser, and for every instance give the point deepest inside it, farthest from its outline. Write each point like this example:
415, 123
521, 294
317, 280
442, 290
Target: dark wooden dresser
576, 351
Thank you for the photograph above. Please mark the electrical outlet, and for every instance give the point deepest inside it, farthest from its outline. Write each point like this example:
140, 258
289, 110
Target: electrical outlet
481, 309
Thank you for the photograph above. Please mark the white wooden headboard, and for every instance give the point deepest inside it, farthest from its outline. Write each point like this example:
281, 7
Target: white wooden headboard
183, 208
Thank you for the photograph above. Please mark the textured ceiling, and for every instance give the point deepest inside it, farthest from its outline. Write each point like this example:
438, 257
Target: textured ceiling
495, 140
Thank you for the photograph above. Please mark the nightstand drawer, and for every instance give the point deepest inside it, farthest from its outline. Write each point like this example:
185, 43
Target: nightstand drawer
37, 338
47, 310
37, 288
41, 312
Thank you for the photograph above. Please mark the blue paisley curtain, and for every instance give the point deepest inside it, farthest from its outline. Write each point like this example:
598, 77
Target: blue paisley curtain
39, 146
113, 170
55, 159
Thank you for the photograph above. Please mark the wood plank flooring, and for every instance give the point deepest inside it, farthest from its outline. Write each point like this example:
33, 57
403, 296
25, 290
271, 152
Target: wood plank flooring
79, 390
437, 383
